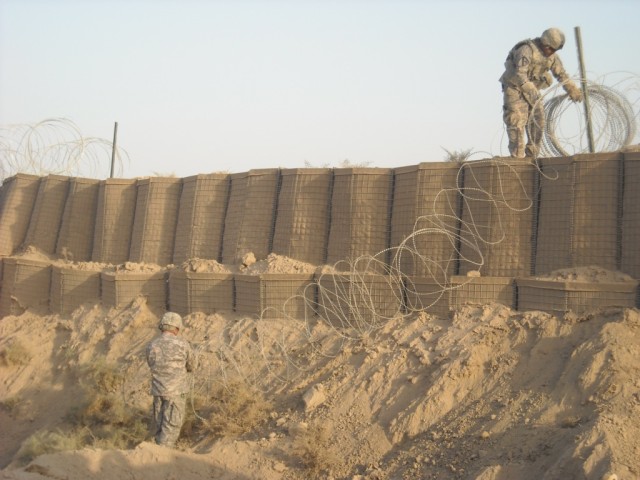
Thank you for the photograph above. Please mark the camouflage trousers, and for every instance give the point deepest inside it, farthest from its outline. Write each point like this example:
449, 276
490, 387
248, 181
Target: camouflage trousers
168, 416
521, 118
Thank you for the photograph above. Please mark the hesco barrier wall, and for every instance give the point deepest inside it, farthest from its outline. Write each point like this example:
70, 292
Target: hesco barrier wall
302, 218
360, 215
71, 287
580, 210
498, 212
78, 220
114, 220
25, 284
630, 216
205, 292
203, 205
425, 219
154, 224
16, 204
519, 218
44, 225
248, 225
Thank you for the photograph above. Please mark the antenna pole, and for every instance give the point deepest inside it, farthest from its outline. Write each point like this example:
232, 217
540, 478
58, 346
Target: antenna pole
113, 148
585, 94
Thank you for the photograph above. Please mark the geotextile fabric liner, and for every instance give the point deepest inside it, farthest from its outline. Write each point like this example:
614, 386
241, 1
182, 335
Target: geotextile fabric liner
274, 295
46, 218
498, 217
425, 199
205, 292
579, 297
72, 287
302, 219
154, 224
359, 301
360, 216
75, 240
203, 205
120, 288
18, 199
25, 284
114, 220
630, 223
578, 212
250, 215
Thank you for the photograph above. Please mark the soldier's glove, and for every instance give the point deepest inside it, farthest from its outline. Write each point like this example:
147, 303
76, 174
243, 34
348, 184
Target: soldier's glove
530, 93
574, 92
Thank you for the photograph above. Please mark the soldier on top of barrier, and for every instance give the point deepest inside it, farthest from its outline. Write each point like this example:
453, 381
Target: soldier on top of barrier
170, 359
528, 70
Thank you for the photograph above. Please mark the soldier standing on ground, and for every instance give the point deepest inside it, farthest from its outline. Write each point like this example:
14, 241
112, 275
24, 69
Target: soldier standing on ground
528, 70
170, 358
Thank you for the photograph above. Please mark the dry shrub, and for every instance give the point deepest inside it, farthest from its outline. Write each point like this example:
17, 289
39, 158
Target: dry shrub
194, 425
458, 156
102, 377
111, 422
14, 354
11, 404
315, 447
45, 441
236, 408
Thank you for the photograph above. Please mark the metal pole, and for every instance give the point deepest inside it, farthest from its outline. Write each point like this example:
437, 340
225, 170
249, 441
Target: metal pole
113, 148
585, 94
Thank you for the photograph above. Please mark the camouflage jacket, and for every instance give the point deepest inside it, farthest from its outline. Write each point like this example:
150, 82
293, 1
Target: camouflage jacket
526, 63
170, 359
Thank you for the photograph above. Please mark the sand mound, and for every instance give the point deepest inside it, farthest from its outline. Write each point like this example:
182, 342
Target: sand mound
488, 394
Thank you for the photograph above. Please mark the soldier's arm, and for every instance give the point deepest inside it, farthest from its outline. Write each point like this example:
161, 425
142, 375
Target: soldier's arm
522, 61
567, 84
192, 360
557, 68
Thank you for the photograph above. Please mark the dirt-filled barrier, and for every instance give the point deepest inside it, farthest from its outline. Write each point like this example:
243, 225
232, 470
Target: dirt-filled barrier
356, 301
630, 217
424, 219
419, 225
360, 216
16, 204
302, 219
248, 226
75, 240
154, 224
119, 289
201, 218
274, 295
72, 287
579, 212
114, 220
25, 285
44, 225
580, 297
498, 199
207, 292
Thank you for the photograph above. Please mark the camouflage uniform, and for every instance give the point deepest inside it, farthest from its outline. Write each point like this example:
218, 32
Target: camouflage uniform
170, 359
526, 73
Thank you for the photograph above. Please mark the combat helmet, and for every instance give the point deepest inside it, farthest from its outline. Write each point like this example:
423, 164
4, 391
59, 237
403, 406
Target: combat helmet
170, 320
552, 37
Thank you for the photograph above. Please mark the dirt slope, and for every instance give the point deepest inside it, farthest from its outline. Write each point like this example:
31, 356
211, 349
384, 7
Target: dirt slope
488, 394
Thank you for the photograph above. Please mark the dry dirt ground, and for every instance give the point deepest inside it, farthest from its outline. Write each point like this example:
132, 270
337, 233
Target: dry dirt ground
489, 394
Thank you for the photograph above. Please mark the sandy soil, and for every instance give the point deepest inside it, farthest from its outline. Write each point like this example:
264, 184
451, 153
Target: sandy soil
489, 394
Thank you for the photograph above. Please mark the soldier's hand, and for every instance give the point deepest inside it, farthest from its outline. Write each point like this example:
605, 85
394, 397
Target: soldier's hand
575, 93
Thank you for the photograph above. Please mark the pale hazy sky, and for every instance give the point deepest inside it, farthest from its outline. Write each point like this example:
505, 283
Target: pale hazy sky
206, 86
